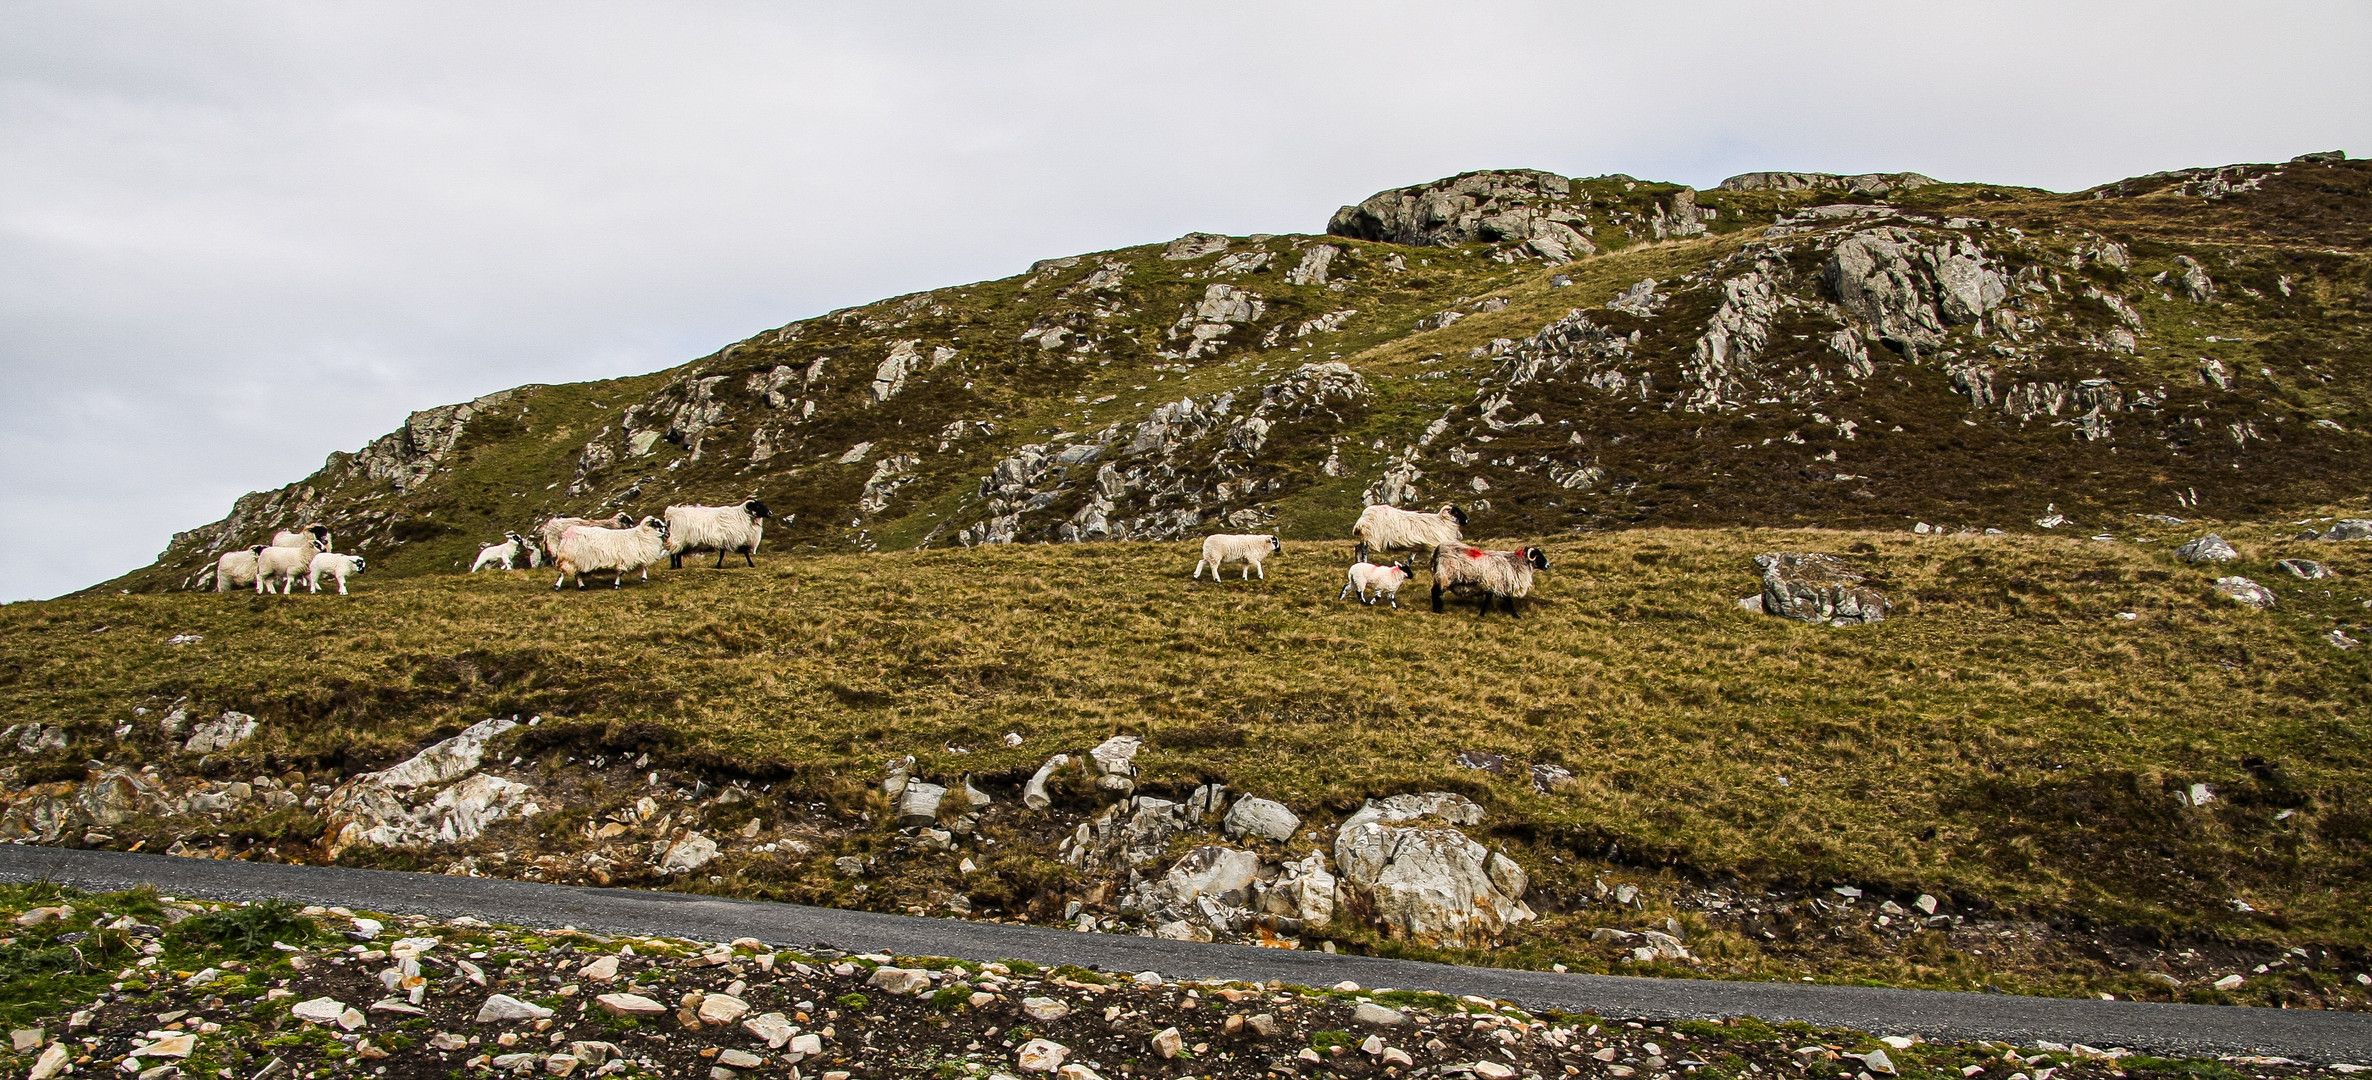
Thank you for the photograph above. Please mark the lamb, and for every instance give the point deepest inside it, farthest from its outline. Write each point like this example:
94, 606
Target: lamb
336, 566
1388, 528
315, 536
551, 530
585, 548
283, 563
1471, 571
236, 568
1219, 549
1383, 581
735, 529
501, 553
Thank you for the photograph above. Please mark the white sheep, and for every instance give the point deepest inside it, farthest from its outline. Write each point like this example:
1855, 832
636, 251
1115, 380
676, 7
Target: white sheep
1383, 581
551, 530
1220, 549
313, 537
1493, 575
284, 565
735, 529
1384, 528
501, 553
336, 566
585, 548
236, 569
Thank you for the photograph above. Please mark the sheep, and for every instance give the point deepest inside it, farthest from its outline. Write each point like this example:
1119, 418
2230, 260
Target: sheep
236, 568
283, 563
1383, 581
1219, 549
590, 547
1388, 528
551, 530
336, 566
315, 536
501, 553
735, 529
1472, 571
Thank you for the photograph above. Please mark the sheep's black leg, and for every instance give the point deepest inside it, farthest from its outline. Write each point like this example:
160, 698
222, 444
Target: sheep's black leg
1437, 598
720, 556
748, 555
1485, 607
1359, 552
675, 561
1509, 602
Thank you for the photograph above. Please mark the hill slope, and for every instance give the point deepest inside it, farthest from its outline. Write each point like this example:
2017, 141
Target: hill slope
1791, 349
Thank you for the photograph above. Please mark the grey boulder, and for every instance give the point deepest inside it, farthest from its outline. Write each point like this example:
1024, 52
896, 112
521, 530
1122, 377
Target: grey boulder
1265, 819
1818, 589
2208, 548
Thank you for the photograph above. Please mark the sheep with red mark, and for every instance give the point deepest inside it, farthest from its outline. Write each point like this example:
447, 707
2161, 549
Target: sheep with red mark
1382, 528
1505, 576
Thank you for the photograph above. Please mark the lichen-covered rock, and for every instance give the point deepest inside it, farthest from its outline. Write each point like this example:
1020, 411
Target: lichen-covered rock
2241, 590
221, 733
2350, 529
1264, 819
1909, 290
2305, 569
1819, 589
2208, 548
1492, 205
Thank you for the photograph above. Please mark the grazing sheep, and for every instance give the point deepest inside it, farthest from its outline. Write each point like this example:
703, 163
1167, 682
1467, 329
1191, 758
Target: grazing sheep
1220, 549
550, 531
336, 566
1471, 571
236, 569
735, 529
1383, 581
285, 564
586, 548
501, 553
311, 537
1388, 528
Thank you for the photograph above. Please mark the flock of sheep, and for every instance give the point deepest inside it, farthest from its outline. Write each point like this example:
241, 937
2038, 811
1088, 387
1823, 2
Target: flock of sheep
1458, 568
622, 545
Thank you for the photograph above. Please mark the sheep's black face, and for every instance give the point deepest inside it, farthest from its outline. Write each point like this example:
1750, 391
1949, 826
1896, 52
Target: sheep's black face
257, 549
1276, 546
1405, 569
757, 510
1537, 557
1458, 516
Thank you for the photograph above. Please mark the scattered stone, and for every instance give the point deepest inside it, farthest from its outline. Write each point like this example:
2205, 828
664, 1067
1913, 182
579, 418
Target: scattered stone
918, 805
2208, 548
504, 1009
1033, 794
1114, 761
49, 1063
1547, 779
900, 980
1492, 1070
2243, 591
177, 1044
221, 733
2305, 569
1040, 1055
2340, 640
775, 1028
718, 1010
1263, 819
2229, 982
690, 853
1926, 904
2350, 529
1167, 1042
1369, 1012
1044, 1009
629, 1005
320, 1010
603, 969
1483, 760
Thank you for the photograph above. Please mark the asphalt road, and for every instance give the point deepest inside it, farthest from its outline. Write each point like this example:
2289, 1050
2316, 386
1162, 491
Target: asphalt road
2305, 1035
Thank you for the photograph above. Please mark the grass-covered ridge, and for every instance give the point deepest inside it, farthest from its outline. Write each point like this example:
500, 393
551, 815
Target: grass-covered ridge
2006, 742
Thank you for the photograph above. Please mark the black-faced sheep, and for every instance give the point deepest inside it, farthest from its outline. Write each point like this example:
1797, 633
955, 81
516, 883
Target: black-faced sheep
502, 553
1384, 528
310, 538
585, 548
337, 566
735, 529
236, 569
1492, 575
550, 531
1383, 581
1247, 548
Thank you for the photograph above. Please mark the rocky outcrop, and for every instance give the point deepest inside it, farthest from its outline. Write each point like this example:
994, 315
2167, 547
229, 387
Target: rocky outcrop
418, 801
1421, 881
1517, 206
1818, 589
1862, 184
409, 454
1909, 290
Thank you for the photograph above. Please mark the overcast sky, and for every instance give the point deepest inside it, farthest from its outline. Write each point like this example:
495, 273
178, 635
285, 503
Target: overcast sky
237, 237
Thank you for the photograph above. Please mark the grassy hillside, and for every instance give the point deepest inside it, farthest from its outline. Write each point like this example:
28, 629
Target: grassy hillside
2007, 742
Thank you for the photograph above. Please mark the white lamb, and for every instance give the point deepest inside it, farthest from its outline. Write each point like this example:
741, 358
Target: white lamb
585, 548
310, 538
336, 566
1383, 581
1388, 528
1247, 548
735, 529
550, 531
277, 568
236, 569
501, 553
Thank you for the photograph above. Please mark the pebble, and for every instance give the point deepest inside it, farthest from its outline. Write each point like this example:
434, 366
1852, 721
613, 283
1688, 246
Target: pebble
629, 1005
503, 1008
1369, 1012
